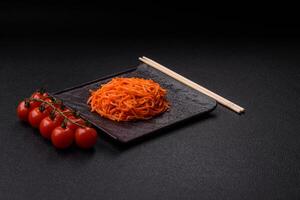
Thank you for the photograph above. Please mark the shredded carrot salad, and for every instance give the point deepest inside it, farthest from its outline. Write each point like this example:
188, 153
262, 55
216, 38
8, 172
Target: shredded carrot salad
127, 99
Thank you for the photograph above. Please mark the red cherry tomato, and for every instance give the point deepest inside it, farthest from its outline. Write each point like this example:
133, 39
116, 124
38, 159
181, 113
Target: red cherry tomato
67, 112
74, 119
47, 125
34, 104
45, 95
35, 116
62, 138
85, 137
37, 95
57, 105
48, 107
23, 110
59, 117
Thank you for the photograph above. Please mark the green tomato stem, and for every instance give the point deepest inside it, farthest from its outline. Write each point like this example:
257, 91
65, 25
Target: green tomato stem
57, 110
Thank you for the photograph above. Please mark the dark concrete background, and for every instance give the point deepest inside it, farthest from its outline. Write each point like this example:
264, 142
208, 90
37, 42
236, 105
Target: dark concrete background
222, 156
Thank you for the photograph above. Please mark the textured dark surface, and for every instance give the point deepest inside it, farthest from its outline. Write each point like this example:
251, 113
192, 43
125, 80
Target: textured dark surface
219, 156
185, 103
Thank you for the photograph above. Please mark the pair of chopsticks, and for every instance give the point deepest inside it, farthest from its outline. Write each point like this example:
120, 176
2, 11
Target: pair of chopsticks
221, 100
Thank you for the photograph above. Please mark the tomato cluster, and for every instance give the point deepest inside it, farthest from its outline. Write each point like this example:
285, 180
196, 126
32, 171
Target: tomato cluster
56, 122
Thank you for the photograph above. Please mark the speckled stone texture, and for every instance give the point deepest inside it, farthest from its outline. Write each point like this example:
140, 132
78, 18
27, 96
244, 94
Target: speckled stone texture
185, 104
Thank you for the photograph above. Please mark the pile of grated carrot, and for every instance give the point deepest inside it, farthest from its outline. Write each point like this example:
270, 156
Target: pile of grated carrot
127, 99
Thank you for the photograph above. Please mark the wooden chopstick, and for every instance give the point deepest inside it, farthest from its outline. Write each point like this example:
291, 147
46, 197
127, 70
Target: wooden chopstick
182, 79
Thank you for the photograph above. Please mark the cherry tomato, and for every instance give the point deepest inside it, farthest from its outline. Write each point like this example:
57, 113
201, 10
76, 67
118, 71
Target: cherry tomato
67, 112
36, 115
47, 125
62, 137
57, 105
34, 104
85, 137
23, 110
57, 114
37, 95
74, 126
49, 108
45, 95
59, 117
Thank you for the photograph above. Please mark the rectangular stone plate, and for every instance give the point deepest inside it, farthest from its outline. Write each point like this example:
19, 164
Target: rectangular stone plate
185, 103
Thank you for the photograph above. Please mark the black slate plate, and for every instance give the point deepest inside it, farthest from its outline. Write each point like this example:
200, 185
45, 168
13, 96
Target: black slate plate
185, 103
